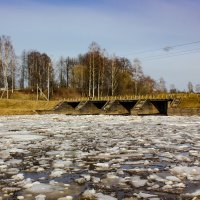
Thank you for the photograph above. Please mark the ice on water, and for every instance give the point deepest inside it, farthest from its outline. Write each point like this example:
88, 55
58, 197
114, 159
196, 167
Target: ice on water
42, 155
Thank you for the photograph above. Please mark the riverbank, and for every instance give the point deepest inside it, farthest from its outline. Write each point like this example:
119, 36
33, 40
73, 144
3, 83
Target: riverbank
24, 107
189, 105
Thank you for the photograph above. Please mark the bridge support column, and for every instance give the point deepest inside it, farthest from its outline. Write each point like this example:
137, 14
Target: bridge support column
161, 106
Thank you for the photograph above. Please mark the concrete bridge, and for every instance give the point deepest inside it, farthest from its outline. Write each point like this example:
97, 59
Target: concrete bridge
127, 105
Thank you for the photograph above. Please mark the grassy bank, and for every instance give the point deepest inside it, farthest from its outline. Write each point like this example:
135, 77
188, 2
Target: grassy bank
22, 107
21, 103
190, 102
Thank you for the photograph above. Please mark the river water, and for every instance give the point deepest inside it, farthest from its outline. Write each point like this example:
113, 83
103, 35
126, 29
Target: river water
99, 157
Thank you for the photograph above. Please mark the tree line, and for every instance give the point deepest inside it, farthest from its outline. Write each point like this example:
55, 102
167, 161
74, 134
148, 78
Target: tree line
93, 74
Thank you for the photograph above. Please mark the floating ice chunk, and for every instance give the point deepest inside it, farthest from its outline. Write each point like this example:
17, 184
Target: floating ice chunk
16, 150
184, 171
12, 171
20, 197
137, 182
146, 195
96, 179
179, 185
14, 162
4, 154
87, 177
167, 155
62, 163
68, 198
193, 153
65, 198
57, 172
183, 158
112, 176
28, 185
102, 165
89, 194
1, 161
10, 189
155, 177
167, 187
41, 188
18, 177
146, 162
40, 169
56, 153
24, 137
40, 197
191, 194
183, 147
173, 178
3, 168
101, 196
80, 180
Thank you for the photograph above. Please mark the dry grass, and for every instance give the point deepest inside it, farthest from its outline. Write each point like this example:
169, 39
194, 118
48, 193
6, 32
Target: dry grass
24, 102
190, 102
19, 107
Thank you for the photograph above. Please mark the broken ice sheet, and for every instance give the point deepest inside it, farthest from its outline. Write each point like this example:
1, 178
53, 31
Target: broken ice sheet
154, 153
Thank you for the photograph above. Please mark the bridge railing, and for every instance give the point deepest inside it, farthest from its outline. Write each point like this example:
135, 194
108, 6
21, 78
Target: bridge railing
137, 97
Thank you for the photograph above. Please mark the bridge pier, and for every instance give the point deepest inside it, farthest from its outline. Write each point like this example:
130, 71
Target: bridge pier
128, 105
114, 107
90, 107
161, 106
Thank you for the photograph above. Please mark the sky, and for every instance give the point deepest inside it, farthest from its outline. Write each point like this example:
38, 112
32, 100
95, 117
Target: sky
163, 34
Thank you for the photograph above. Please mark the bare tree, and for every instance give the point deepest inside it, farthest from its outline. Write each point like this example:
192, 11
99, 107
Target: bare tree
114, 75
173, 88
137, 73
23, 74
94, 53
162, 85
8, 63
190, 87
197, 88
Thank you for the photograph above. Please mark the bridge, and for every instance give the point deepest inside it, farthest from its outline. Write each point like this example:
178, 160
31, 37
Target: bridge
119, 105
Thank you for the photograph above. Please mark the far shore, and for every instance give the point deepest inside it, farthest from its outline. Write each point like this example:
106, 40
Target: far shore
187, 107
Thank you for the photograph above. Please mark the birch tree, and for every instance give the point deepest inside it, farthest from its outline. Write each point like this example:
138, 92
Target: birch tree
137, 74
8, 64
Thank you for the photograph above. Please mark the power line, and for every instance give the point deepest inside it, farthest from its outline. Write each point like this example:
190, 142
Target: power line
172, 55
166, 48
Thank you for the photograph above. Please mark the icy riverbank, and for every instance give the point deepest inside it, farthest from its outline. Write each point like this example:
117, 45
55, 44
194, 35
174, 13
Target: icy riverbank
99, 157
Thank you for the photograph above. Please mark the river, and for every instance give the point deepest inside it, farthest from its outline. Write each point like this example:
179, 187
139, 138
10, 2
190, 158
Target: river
99, 157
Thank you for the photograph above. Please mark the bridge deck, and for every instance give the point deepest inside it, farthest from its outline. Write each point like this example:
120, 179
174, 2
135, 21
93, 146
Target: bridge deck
125, 98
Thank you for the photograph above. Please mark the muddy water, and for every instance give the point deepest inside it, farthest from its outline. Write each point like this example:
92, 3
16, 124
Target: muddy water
102, 157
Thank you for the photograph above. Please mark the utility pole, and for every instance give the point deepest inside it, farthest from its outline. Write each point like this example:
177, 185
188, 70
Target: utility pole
37, 92
113, 74
90, 77
48, 82
93, 76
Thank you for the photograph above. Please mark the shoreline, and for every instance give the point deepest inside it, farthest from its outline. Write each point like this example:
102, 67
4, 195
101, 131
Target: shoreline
171, 112
32, 107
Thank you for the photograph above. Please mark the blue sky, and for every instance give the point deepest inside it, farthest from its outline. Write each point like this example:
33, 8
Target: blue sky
122, 27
